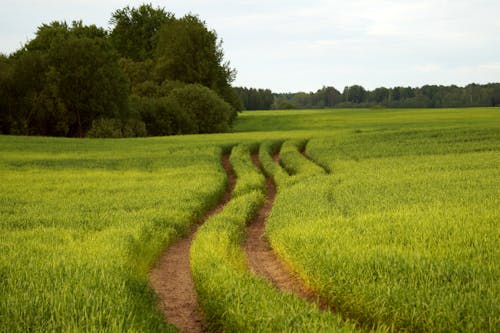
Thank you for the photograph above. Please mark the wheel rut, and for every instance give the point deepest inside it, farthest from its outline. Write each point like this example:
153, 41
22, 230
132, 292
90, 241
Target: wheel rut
306, 155
171, 276
262, 260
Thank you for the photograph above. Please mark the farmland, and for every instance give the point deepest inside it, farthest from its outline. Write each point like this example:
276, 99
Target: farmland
391, 216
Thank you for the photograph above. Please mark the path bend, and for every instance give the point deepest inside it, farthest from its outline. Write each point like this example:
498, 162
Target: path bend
262, 260
171, 276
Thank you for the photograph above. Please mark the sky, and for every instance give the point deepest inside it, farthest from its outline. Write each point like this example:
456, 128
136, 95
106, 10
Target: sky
302, 45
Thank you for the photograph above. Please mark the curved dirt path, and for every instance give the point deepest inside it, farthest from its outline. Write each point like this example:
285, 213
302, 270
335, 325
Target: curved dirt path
260, 257
171, 276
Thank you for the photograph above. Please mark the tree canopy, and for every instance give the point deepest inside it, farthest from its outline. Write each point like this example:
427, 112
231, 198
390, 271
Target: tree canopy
62, 80
77, 80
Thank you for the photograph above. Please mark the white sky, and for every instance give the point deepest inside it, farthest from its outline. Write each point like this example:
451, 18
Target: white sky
301, 45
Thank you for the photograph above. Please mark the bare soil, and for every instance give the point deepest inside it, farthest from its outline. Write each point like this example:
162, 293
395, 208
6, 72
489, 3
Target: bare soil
261, 259
171, 276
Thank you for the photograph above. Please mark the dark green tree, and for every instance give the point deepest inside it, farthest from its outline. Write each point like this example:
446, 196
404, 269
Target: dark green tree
65, 78
354, 94
6, 116
135, 30
188, 52
379, 95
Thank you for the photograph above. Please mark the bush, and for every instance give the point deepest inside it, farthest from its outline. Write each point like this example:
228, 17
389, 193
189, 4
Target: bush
105, 128
134, 128
114, 128
187, 109
211, 113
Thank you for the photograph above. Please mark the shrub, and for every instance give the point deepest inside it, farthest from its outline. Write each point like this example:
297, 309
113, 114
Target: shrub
211, 113
114, 128
105, 128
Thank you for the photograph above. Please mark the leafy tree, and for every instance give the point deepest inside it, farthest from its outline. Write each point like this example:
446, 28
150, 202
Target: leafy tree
85, 77
380, 95
135, 30
188, 52
65, 78
326, 97
6, 111
354, 94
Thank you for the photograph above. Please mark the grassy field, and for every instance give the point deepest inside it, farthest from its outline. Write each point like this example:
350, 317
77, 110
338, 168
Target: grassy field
393, 219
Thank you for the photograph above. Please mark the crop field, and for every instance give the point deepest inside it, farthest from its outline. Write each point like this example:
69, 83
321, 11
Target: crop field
390, 216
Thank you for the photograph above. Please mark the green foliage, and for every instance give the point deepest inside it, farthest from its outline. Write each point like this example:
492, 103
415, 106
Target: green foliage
105, 128
67, 77
135, 30
188, 52
428, 96
115, 128
186, 109
209, 112
5, 99
255, 99
64, 79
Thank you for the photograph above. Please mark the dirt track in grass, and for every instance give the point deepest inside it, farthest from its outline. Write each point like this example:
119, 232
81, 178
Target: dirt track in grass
171, 276
260, 257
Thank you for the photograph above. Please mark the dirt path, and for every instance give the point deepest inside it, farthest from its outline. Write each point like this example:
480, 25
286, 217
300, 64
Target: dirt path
171, 276
261, 258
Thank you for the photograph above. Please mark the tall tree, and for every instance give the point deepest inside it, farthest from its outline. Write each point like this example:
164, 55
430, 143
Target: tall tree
135, 30
66, 77
188, 51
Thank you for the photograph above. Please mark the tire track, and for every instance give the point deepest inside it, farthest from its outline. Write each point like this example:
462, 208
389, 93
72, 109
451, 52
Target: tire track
262, 260
171, 277
306, 155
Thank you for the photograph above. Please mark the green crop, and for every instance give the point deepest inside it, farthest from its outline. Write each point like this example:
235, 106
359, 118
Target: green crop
81, 225
404, 232
392, 216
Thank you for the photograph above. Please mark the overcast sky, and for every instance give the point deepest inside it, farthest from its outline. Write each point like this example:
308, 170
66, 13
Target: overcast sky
301, 45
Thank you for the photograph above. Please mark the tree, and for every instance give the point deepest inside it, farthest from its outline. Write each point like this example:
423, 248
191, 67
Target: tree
380, 95
86, 79
135, 30
5, 94
354, 94
187, 51
65, 78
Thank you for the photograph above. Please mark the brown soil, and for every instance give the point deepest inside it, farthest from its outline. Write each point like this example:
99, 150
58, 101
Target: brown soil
261, 258
171, 276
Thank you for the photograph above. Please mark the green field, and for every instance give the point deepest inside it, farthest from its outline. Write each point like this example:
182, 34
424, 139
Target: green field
393, 218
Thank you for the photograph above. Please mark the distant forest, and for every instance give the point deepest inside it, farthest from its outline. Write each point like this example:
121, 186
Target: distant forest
428, 96
150, 74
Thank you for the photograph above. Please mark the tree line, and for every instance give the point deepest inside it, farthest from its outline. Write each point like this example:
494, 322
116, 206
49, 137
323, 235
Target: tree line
150, 74
428, 96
